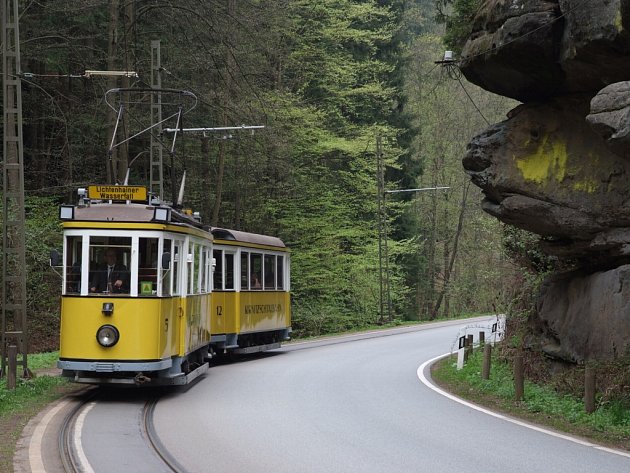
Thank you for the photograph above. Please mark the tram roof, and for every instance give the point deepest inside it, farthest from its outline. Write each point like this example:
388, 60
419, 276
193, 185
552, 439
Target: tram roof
115, 213
244, 237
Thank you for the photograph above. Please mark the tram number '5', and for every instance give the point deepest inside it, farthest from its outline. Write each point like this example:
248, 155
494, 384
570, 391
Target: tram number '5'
219, 310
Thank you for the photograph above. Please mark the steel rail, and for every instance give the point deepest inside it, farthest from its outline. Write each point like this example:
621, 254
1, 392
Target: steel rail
154, 439
67, 452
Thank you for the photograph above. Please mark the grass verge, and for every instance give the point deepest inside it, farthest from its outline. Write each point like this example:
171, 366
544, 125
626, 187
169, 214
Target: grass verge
18, 406
608, 425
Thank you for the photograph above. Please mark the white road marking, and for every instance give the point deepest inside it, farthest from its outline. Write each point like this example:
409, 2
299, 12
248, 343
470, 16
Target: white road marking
35, 445
432, 386
84, 466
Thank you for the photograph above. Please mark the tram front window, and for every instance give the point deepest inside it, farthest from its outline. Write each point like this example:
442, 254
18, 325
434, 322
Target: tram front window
110, 258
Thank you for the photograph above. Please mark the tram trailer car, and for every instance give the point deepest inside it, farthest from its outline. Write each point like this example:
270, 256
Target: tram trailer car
172, 296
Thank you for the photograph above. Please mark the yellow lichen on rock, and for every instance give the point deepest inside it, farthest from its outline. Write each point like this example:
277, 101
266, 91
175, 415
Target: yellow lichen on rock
548, 162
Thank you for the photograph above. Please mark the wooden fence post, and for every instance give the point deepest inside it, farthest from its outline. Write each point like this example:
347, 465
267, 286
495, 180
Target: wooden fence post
469, 347
12, 368
487, 353
519, 378
589, 388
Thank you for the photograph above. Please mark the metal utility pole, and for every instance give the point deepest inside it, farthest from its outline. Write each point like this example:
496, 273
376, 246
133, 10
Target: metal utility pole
385, 300
14, 327
156, 178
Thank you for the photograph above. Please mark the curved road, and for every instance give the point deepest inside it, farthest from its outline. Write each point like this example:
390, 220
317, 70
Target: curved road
352, 407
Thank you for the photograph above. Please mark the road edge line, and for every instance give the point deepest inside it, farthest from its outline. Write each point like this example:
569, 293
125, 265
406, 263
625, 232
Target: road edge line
428, 383
85, 465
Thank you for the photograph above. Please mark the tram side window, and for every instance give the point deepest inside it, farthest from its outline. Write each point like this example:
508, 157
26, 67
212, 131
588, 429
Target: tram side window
148, 266
208, 271
176, 261
270, 272
74, 246
196, 283
166, 273
280, 272
229, 271
190, 265
203, 269
110, 259
218, 269
255, 273
244, 270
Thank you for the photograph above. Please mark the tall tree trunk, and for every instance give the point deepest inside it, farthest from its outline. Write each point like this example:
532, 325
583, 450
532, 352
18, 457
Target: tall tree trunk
205, 174
448, 270
128, 20
219, 184
237, 187
112, 49
226, 101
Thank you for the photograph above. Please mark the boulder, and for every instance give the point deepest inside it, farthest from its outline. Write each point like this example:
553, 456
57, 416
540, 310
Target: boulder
559, 166
610, 117
532, 50
545, 170
586, 317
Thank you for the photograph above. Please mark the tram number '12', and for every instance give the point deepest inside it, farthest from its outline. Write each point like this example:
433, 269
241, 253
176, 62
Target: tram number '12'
219, 310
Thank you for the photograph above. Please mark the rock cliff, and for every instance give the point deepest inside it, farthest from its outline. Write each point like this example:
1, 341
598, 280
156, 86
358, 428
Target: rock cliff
559, 165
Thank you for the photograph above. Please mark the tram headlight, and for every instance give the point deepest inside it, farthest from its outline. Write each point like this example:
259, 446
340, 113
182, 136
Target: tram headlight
107, 336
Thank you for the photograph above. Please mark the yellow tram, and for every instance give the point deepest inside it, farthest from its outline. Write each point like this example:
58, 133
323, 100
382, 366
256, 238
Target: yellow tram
149, 294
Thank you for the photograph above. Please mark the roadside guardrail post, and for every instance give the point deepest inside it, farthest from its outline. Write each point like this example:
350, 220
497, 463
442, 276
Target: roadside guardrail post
461, 353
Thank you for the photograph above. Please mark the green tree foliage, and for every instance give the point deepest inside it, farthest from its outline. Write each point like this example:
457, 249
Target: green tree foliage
457, 16
454, 263
325, 78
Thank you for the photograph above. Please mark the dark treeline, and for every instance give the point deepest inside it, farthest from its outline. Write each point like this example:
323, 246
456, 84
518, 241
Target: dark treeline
325, 78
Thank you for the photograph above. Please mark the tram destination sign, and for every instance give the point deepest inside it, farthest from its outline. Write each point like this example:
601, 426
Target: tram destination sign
136, 193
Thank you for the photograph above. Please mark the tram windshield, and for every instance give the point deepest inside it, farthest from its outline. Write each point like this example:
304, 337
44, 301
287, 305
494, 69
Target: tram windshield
110, 261
107, 264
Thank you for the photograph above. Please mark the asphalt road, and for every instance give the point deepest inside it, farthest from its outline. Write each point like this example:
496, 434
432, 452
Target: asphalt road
356, 406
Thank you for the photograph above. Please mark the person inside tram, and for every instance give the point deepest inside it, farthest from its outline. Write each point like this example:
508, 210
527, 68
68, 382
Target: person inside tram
112, 276
255, 281
74, 276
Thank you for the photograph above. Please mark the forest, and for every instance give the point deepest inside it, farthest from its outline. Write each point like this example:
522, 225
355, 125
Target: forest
328, 80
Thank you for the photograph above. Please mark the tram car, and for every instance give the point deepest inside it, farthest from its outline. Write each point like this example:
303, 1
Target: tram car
150, 294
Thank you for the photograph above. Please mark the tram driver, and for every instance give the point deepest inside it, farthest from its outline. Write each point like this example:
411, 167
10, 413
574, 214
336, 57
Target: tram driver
111, 277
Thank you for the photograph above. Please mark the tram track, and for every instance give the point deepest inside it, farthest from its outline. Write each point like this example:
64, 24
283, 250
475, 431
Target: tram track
72, 456
154, 439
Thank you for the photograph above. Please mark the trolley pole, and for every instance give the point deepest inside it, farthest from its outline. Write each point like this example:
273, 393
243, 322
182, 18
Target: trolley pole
14, 326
